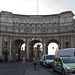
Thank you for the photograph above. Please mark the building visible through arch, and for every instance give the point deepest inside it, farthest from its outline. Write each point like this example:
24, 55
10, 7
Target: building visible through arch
17, 29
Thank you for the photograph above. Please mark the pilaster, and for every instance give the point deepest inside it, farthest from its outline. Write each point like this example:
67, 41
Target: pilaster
0, 46
72, 42
27, 52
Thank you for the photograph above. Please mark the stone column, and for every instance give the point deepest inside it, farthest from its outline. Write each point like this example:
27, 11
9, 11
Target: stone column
27, 52
44, 52
10, 47
0, 46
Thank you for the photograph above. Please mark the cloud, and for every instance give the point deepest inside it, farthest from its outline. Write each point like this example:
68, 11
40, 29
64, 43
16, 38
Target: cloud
51, 7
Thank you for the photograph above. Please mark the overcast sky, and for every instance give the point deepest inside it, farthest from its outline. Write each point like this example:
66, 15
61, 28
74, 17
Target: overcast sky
29, 7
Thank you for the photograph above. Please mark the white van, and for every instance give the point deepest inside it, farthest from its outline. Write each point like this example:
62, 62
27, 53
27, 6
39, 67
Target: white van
67, 52
47, 60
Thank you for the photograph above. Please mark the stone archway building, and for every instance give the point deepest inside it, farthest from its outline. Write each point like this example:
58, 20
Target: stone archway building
59, 28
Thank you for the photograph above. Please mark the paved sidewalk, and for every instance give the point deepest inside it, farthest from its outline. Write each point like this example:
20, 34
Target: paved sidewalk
37, 72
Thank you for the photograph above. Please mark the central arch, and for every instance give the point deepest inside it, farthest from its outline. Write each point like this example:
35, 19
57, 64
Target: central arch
32, 52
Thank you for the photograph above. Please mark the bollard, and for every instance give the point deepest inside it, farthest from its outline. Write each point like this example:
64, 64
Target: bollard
34, 65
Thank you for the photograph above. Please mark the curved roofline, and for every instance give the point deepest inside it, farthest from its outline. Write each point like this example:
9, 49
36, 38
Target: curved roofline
36, 15
65, 12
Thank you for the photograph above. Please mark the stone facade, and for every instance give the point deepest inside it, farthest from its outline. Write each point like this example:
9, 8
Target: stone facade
18, 29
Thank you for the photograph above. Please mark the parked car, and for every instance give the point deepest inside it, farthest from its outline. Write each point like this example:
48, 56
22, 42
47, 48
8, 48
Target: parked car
2, 60
64, 65
46, 60
41, 60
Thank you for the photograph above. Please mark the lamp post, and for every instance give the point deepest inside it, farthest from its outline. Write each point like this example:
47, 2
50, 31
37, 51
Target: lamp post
67, 43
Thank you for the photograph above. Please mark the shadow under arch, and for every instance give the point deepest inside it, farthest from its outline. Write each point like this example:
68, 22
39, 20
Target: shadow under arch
31, 44
52, 41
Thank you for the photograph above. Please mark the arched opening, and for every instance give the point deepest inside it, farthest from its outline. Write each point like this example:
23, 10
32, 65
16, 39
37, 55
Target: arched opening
36, 50
17, 52
53, 47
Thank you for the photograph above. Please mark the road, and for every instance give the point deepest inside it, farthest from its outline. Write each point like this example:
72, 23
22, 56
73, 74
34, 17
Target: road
18, 68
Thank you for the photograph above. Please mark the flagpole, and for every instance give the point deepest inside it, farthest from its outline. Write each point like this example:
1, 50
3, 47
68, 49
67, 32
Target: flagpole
37, 8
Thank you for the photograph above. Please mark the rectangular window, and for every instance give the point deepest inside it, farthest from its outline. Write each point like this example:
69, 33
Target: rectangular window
13, 30
30, 30
74, 28
24, 30
35, 30
19, 30
74, 53
6, 29
66, 29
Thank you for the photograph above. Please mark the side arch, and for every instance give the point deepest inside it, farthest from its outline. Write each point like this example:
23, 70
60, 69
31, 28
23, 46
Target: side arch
52, 41
16, 52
